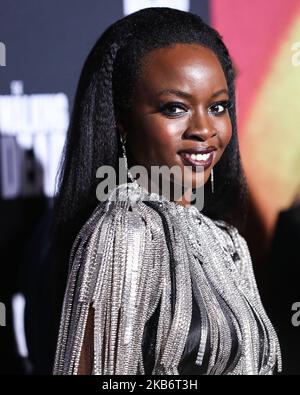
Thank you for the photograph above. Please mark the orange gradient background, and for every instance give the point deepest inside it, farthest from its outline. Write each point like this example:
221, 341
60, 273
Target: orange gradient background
260, 35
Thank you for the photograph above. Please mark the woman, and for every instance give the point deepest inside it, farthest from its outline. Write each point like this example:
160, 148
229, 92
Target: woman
155, 286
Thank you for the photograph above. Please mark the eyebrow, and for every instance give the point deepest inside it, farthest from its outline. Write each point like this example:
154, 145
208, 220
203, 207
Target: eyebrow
187, 95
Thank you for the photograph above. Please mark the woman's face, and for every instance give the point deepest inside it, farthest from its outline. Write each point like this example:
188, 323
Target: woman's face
179, 111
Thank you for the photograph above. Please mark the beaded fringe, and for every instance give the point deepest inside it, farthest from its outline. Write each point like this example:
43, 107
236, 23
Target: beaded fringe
136, 252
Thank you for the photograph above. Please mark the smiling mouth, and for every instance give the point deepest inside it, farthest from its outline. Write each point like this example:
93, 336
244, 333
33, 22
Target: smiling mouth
198, 162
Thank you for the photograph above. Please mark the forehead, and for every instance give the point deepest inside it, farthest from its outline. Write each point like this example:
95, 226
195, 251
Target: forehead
189, 67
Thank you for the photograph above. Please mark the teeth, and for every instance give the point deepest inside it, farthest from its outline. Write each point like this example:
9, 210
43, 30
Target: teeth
199, 157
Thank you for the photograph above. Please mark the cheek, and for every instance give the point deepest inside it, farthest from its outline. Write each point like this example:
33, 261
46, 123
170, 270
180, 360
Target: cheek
224, 128
154, 137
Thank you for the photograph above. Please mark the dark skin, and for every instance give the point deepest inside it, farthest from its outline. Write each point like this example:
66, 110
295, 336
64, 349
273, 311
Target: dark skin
154, 136
162, 124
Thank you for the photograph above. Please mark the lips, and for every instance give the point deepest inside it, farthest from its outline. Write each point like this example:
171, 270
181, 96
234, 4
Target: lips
198, 156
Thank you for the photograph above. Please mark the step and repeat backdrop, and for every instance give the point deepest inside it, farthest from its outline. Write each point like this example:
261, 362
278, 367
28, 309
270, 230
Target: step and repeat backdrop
42, 48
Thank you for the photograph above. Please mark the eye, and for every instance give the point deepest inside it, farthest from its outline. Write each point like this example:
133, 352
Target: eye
219, 108
174, 109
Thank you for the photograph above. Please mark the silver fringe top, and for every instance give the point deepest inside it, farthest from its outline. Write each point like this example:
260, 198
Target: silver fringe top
138, 251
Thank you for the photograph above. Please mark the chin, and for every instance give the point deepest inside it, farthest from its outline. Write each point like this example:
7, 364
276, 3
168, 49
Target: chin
199, 179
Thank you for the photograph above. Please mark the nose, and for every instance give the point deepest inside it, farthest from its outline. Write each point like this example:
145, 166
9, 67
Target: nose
200, 128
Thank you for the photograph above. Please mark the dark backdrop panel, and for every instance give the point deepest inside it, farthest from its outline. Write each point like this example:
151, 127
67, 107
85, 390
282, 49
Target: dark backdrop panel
48, 41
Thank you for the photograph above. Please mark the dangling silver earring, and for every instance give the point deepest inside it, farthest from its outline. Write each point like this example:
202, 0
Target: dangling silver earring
123, 142
212, 180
